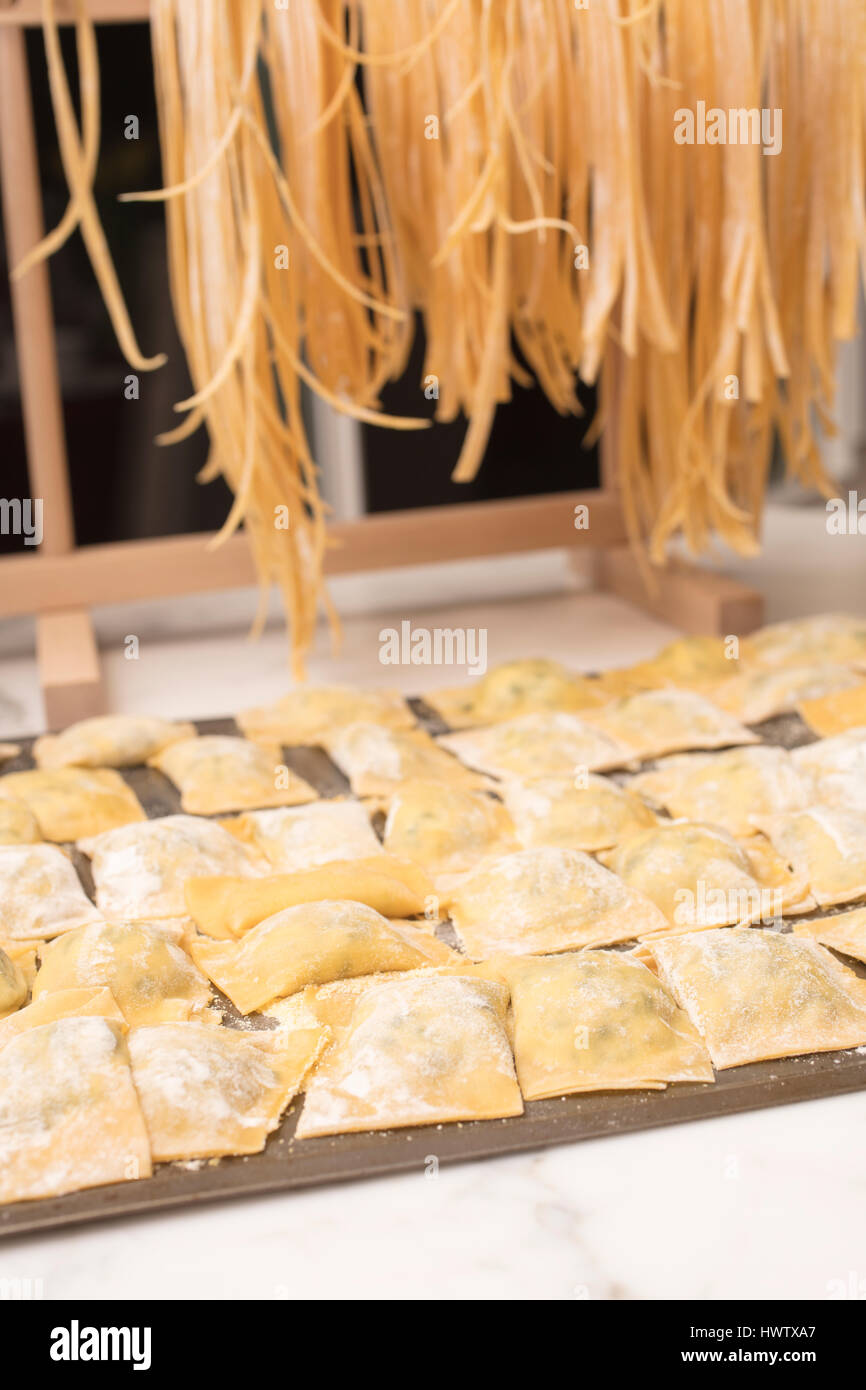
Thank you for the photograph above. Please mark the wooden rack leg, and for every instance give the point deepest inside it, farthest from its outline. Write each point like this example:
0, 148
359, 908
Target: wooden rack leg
69, 668
694, 599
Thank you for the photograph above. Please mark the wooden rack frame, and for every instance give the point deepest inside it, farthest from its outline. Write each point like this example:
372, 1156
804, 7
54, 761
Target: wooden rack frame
61, 582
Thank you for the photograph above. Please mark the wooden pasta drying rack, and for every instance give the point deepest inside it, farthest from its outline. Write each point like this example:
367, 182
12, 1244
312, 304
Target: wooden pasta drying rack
61, 582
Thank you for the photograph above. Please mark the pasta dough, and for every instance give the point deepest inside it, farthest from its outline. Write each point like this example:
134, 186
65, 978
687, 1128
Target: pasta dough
834, 637
656, 722
40, 893
139, 871
845, 932
757, 695
376, 760
836, 768
537, 745
311, 714
226, 906
8, 751
598, 1021
212, 1091
72, 802
419, 1051
151, 978
69, 1113
700, 876
13, 986
304, 945
446, 829
728, 789
754, 994
555, 812
216, 773
827, 846
836, 713
514, 689
18, 825
542, 900
293, 839
111, 740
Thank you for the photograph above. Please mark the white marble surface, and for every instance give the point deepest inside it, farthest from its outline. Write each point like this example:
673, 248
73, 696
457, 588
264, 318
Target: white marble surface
769, 1204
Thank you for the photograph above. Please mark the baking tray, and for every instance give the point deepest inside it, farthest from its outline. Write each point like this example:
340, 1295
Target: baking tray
285, 1165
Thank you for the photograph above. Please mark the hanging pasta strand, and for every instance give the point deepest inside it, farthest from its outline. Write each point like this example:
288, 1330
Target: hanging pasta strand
511, 175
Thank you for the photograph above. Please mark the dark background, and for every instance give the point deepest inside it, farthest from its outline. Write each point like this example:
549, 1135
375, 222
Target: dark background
123, 485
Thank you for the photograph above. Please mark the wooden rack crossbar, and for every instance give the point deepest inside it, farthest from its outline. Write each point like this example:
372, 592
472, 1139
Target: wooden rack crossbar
61, 581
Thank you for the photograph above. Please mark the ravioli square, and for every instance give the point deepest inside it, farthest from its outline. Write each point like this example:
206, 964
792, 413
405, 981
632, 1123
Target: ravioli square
376, 760
110, 740
590, 813
305, 945
598, 1021
152, 979
206, 1092
40, 893
294, 838
689, 663
700, 876
844, 932
139, 871
310, 714
835, 637
827, 846
445, 829
8, 751
513, 689
727, 789
69, 1112
217, 773
755, 994
72, 802
538, 901
759, 694
419, 1050
536, 746
656, 722
836, 769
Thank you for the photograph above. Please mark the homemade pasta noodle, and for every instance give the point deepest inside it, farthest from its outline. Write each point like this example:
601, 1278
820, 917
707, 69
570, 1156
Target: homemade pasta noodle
557, 191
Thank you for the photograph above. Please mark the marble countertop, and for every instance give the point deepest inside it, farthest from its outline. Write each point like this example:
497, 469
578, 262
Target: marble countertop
764, 1205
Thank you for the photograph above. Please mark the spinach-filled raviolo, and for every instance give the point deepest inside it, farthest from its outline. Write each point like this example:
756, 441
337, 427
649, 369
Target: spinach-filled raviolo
418, 1050
152, 979
206, 1092
754, 994
309, 944
597, 1021
69, 1112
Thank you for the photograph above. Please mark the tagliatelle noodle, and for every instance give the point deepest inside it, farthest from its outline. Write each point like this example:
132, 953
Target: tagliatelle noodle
520, 174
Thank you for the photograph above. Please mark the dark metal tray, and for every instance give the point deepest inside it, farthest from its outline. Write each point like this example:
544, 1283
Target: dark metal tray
285, 1164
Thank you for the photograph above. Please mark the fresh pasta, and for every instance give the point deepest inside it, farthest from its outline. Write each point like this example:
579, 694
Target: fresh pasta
558, 192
